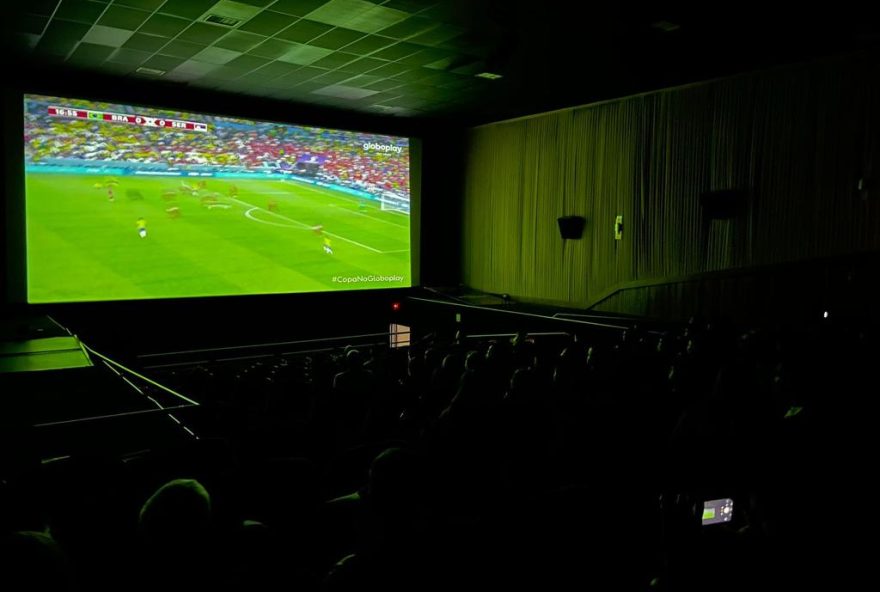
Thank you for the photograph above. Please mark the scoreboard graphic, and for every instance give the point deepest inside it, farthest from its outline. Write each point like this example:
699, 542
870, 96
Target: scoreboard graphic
142, 120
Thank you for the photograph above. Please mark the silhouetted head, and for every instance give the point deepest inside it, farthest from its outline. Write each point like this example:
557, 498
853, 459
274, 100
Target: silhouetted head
472, 361
522, 385
392, 486
178, 512
451, 362
353, 359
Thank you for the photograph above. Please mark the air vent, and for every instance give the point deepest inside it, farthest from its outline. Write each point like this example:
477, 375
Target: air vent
150, 71
225, 21
488, 75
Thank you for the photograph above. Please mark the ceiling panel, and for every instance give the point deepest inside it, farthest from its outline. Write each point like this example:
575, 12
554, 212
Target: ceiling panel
163, 25
123, 17
81, 11
336, 38
303, 30
189, 9
203, 33
297, 7
240, 41
109, 36
182, 49
268, 23
411, 58
359, 15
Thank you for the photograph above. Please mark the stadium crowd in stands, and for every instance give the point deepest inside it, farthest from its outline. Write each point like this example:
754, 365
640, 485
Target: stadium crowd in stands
520, 463
230, 145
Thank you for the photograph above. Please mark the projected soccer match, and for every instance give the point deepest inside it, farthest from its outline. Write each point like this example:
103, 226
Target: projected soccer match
126, 202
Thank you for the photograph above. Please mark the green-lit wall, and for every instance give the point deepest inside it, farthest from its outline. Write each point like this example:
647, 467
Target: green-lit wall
798, 138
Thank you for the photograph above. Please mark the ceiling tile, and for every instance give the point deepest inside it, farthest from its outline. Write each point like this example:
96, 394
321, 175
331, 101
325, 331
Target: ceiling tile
108, 36
303, 31
80, 11
404, 101
384, 84
336, 38
203, 33
388, 110
182, 49
297, 7
164, 25
421, 90
223, 73
149, 5
438, 78
64, 31
304, 54
258, 3
425, 56
332, 77
397, 51
471, 69
335, 60
239, 41
381, 97
436, 36
143, 42
117, 68
414, 75
363, 81
410, 5
444, 12
90, 54
216, 55
302, 74
232, 9
276, 69
271, 48
194, 69
448, 62
308, 86
122, 17
359, 15
130, 56
344, 92
247, 63
163, 62
267, 23
390, 69
178, 75
362, 65
190, 9
369, 44
410, 27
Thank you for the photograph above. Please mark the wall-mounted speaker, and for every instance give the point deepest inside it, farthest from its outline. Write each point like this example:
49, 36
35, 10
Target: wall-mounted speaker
571, 226
723, 204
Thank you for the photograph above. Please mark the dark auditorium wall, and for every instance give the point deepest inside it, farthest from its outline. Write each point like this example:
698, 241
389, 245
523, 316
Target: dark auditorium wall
797, 138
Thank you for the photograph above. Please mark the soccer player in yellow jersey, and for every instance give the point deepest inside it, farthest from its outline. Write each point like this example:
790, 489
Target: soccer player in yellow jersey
142, 227
328, 248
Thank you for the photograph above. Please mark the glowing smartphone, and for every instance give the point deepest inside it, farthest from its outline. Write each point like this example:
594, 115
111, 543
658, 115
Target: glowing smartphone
717, 511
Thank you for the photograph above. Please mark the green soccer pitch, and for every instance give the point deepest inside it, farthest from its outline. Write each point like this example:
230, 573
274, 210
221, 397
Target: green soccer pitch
84, 246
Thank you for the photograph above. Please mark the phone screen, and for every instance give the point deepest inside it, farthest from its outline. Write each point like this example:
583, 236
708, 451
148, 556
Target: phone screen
717, 511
